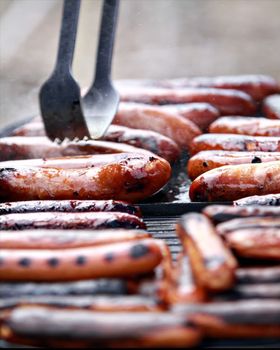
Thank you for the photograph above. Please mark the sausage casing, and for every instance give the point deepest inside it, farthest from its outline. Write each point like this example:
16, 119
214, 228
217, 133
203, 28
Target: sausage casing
232, 182
271, 107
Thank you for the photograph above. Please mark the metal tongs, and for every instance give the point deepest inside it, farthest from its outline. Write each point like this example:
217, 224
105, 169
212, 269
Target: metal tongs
65, 113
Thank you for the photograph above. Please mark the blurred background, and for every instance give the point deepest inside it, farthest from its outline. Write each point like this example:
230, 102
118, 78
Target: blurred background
155, 39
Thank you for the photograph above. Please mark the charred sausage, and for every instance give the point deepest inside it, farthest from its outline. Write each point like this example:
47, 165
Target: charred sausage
233, 182
269, 199
271, 107
132, 179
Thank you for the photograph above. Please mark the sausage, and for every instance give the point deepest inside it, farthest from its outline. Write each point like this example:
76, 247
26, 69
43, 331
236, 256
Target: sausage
131, 179
231, 142
95, 329
269, 199
64, 239
253, 275
271, 107
201, 114
208, 160
212, 263
186, 289
116, 260
235, 319
32, 128
68, 206
73, 221
228, 102
15, 148
233, 182
172, 125
222, 213
127, 303
246, 126
257, 243
257, 86
146, 139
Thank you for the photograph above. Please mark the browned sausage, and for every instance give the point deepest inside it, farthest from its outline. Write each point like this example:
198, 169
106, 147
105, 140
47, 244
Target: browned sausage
64, 239
107, 261
257, 86
132, 179
253, 275
208, 160
13, 148
271, 107
231, 142
246, 126
172, 125
56, 328
269, 199
68, 206
228, 102
212, 263
233, 182
235, 319
74, 221
221, 213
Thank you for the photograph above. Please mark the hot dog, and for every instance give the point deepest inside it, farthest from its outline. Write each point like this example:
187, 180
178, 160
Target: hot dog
212, 263
269, 199
131, 179
271, 107
222, 213
208, 160
58, 239
73, 221
233, 182
68, 206
246, 126
228, 102
107, 261
172, 125
231, 142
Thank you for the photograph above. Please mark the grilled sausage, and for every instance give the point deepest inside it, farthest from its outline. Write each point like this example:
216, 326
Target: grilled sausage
271, 107
107, 261
208, 160
94, 329
32, 128
222, 213
246, 126
212, 263
253, 275
235, 319
68, 206
257, 86
172, 125
233, 182
228, 102
231, 142
269, 199
54, 239
73, 221
14, 148
131, 179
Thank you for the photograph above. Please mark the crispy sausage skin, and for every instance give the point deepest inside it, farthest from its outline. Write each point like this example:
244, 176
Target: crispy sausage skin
15, 148
115, 260
228, 102
271, 107
172, 125
246, 126
85, 328
58, 239
74, 206
232, 182
132, 179
211, 261
73, 221
207, 160
235, 319
222, 213
269, 199
232, 142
